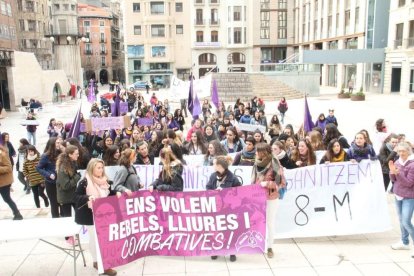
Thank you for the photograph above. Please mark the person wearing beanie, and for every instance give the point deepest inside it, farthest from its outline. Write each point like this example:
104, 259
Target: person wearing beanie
222, 178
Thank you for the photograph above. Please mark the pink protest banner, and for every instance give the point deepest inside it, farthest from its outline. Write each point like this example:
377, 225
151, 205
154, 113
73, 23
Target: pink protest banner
106, 123
145, 121
230, 221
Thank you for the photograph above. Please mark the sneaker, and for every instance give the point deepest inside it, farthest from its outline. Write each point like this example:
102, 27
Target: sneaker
214, 257
400, 246
18, 217
270, 253
110, 272
232, 258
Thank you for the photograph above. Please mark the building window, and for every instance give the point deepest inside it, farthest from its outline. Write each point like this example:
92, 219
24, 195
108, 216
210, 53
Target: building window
103, 49
237, 36
73, 7
56, 7
199, 17
102, 37
31, 25
282, 4
137, 65
101, 23
88, 48
136, 7
103, 61
214, 36
237, 13
66, 7
347, 21
214, 16
179, 29
21, 25
199, 36
264, 33
3, 8
401, 3
207, 59
86, 23
179, 7
137, 30
282, 25
356, 19
157, 30
398, 35
157, 7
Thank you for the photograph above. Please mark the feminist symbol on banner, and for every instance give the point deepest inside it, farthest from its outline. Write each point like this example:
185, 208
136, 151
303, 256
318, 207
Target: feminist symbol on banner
250, 239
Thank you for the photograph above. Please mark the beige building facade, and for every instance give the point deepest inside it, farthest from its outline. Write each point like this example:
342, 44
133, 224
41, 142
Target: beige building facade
273, 33
33, 23
399, 62
157, 40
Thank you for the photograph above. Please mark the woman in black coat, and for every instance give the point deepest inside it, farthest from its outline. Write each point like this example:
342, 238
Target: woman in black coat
94, 185
222, 178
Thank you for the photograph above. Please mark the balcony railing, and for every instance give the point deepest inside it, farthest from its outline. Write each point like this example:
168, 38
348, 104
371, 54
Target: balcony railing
103, 52
410, 42
102, 40
285, 67
88, 52
397, 43
214, 22
199, 22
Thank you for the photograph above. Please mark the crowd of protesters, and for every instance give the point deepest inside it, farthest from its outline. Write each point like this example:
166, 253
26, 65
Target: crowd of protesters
171, 134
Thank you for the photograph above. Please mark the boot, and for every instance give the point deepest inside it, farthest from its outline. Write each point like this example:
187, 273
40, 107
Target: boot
110, 272
46, 202
18, 216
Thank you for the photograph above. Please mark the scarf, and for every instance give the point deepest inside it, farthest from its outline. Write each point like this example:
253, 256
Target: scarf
360, 151
261, 167
97, 187
281, 154
340, 157
31, 158
264, 162
249, 154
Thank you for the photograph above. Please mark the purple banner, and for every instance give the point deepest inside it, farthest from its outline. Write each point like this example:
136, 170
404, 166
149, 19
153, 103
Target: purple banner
123, 107
230, 221
145, 121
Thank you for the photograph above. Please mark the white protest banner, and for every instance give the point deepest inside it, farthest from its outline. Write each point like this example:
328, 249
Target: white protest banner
179, 89
29, 123
324, 200
202, 87
251, 128
334, 199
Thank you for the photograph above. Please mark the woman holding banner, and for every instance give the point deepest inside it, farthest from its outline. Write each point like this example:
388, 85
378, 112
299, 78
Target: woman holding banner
170, 178
402, 175
93, 186
222, 178
268, 173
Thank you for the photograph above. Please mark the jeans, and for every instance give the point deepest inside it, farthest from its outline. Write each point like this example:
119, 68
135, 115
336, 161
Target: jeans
52, 194
31, 137
5, 194
20, 176
405, 209
282, 118
39, 191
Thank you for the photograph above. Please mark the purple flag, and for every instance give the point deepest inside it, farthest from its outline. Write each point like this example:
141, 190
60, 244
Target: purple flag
117, 108
190, 96
214, 96
91, 94
75, 128
196, 108
307, 122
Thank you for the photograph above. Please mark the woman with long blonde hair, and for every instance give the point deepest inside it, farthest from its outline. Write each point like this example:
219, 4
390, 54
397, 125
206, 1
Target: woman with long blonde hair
170, 178
94, 185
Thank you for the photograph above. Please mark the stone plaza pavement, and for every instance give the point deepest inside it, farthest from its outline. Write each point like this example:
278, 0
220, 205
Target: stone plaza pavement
365, 254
